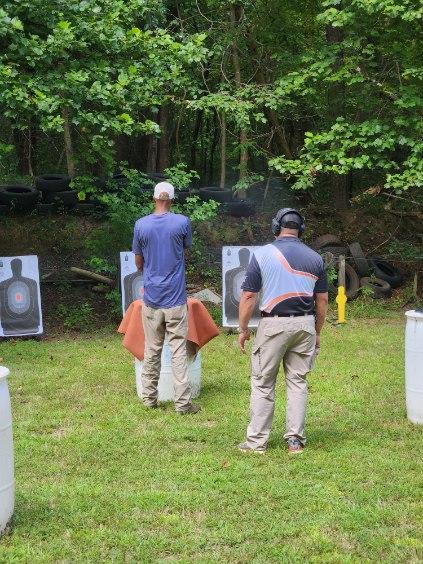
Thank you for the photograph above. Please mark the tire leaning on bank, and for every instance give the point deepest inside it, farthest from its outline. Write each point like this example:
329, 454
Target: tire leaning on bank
66, 199
380, 288
19, 198
52, 182
7, 482
386, 271
352, 283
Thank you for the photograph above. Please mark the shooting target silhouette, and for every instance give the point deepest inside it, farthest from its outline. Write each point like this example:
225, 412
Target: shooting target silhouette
20, 299
235, 261
131, 280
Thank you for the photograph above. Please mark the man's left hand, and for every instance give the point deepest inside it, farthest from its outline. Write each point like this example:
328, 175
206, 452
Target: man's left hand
244, 335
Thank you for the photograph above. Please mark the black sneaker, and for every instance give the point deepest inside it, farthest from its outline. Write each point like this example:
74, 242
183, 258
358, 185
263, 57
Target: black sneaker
192, 408
295, 446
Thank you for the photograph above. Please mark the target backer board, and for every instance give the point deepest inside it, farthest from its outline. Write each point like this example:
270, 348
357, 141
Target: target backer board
235, 261
131, 280
20, 297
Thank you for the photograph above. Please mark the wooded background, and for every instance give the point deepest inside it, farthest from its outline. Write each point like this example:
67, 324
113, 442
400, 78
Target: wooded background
325, 93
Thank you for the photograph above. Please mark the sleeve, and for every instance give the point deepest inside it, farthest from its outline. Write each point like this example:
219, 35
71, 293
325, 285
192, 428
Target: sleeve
188, 235
321, 286
136, 243
252, 281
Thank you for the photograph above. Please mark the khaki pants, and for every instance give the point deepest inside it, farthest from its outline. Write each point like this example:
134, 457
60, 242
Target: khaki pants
293, 341
157, 323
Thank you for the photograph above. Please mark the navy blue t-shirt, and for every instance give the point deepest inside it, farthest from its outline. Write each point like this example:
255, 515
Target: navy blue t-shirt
161, 239
288, 274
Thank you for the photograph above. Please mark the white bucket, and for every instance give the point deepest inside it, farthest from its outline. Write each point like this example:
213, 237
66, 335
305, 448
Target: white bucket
414, 366
7, 482
165, 387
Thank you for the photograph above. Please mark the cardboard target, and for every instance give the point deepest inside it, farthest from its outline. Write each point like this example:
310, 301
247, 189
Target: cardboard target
235, 261
131, 280
20, 297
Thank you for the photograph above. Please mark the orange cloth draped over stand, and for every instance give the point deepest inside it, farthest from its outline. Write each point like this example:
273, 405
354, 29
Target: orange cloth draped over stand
201, 328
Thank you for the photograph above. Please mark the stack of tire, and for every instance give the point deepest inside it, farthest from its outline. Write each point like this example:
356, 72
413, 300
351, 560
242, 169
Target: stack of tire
376, 274
18, 198
230, 204
56, 192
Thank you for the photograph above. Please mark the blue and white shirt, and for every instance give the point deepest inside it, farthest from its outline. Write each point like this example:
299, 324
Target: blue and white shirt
288, 273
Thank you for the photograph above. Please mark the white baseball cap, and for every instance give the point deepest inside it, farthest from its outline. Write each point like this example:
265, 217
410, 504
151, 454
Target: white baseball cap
166, 188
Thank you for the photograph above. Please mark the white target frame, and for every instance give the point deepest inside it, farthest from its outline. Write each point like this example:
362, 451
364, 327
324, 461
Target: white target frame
131, 280
233, 273
21, 313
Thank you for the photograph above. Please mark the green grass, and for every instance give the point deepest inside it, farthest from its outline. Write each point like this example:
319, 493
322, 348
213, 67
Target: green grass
100, 479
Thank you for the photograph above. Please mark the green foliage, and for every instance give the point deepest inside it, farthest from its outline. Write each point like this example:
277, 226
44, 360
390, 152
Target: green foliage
129, 204
405, 250
180, 176
97, 61
78, 316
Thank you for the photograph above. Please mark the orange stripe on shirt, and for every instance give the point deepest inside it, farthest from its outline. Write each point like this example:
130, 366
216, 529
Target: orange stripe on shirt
269, 306
289, 268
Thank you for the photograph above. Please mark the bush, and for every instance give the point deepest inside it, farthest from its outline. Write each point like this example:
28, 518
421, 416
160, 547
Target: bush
125, 207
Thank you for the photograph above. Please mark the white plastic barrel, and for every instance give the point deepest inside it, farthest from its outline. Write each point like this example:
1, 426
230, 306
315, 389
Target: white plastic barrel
7, 482
414, 366
165, 387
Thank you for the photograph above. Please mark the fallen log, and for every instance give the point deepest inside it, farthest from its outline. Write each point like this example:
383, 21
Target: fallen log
92, 276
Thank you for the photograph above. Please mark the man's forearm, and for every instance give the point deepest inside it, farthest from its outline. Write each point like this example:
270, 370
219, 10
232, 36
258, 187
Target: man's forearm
321, 311
246, 308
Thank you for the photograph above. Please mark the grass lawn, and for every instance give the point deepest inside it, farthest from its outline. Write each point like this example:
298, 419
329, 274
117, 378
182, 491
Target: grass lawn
101, 479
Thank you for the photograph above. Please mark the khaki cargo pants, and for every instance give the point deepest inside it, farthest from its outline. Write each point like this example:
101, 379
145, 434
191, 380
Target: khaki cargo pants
157, 323
291, 340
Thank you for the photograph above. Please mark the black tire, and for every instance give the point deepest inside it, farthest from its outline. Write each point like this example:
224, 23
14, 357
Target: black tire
380, 288
214, 193
239, 208
52, 182
66, 199
386, 271
352, 283
326, 241
361, 264
19, 198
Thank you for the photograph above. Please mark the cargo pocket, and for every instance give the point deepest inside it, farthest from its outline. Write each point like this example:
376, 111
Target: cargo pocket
255, 361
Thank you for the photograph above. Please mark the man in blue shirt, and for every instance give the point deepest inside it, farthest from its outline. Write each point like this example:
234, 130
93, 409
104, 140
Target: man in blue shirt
159, 243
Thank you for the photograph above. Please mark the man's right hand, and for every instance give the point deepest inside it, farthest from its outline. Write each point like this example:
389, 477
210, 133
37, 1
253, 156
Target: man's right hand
244, 335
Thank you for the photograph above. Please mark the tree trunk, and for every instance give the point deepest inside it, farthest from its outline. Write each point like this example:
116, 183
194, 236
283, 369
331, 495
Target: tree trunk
163, 154
195, 134
340, 183
69, 152
271, 115
214, 143
23, 142
222, 182
236, 15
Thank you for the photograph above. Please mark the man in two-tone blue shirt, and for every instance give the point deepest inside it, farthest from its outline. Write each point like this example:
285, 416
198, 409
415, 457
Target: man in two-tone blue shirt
160, 240
294, 296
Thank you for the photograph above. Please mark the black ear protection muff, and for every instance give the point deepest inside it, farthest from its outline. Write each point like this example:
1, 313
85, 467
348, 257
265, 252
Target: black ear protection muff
277, 222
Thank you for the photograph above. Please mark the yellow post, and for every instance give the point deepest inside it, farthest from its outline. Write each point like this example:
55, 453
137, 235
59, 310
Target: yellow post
341, 298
